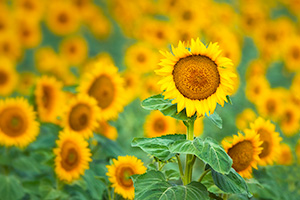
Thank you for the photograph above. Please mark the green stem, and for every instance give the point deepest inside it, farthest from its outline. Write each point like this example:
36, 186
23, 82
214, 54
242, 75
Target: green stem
161, 166
203, 174
190, 160
225, 196
180, 167
109, 193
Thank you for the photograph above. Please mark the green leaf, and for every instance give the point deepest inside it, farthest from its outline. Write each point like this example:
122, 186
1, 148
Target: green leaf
231, 183
172, 174
10, 188
71, 88
229, 99
95, 186
159, 146
152, 185
215, 119
207, 150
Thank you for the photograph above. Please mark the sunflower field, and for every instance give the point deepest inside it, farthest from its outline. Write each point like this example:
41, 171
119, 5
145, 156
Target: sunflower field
149, 99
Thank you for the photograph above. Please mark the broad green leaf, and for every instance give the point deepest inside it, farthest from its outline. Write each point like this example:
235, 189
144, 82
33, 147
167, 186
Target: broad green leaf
10, 188
94, 186
207, 150
172, 174
152, 185
231, 183
215, 119
159, 146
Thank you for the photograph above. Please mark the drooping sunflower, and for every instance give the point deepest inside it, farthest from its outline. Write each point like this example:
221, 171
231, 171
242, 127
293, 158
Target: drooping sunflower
81, 116
285, 155
157, 124
105, 84
244, 118
270, 140
72, 156
49, 98
8, 77
18, 126
107, 130
197, 79
244, 151
289, 119
119, 174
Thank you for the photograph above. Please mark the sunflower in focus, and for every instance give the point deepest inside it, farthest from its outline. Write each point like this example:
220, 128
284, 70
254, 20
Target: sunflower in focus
8, 77
82, 115
72, 156
244, 151
197, 79
107, 130
157, 124
270, 140
285, 155
105, 84
289, 119
49, 98
18, 126
119, 174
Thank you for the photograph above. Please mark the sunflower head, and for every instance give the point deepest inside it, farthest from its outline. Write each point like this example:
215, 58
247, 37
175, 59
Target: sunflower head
119, 174
244, 151
196, 78
285, 155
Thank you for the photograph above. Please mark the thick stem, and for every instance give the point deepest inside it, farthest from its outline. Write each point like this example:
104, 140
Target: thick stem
190, 160
180, 167
203, 174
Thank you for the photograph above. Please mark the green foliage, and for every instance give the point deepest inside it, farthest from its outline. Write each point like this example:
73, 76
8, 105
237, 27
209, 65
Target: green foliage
216, 120
70, 88
95, 187
152, 185
10, 188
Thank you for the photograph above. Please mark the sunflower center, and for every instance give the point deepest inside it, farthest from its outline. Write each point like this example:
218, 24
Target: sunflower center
123, 176
79, 117
196, 77
28, 5
159, 125
13, 122
160, 35
103, 91
187, 15
63, 18
6, 47
256, 89
47, 96
128, 82
296, 53
266, 138
141, 57
271, 106
271, 37
72, 49
242, 155
25, 33
2, 25
288, 116
3, 78
70, 156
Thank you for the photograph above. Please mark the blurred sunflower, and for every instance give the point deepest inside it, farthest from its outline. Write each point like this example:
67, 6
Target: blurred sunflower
256, 68
256, 87
150, 86
184, 34
105, 84
74, 50
8, 77
270, 140
244, 151
119, 173
62, 18
72, 156
81, 116
29, 32
285, 155
197, 79
49, 98
26, 83
289, 119
45, 58
243, 119
103, 57
18, 126
33, 9
5, 19
157, 124
107, 130
131, 85
10, 45
292, 54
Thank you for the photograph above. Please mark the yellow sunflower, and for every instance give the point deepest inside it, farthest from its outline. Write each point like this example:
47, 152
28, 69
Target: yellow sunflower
8, 77
49, 98
243, 119
81, 116
33, 9
256, 68
292, 54
132, 85
103, 57
62, 18
10, 45
74, 50
29, 32
119, 174
244, 151
5, 19
150, 86
72, 156
285, 155
26, 82
45, 58
270, 140
197, 79
157, 124
105, 84
18, 126
289, 119
107, 130
256, 87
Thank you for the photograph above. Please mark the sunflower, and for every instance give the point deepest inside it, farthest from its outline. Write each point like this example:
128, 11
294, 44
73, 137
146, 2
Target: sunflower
33, 9
157, 124
10, 45
82, 115
119, 174
198, 127
256, 68
285, 155
106, 86
62, 18
72, 156
244, 151
292, 54
243, 119
131, 85
8, 77
49, 98
74, 50
150, 86
289, 119
270, 140
18, 126
29, 32
45, 58
26, 83
107, 130
5, 19
256, 87
197, 79
103, 57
